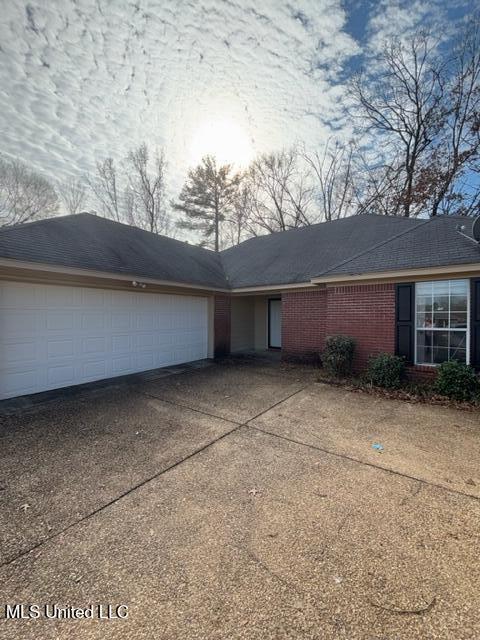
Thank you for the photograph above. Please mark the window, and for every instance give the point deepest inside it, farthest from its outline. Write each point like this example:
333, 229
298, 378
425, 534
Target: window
441, 321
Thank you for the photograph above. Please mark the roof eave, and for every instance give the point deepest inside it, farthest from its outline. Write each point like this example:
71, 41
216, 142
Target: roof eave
397, 273
107, 275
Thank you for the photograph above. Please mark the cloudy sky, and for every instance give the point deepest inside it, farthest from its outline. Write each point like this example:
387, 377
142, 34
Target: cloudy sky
84, 79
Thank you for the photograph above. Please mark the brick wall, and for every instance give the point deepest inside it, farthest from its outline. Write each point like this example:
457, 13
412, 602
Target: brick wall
365, 312
221, 323
303, 323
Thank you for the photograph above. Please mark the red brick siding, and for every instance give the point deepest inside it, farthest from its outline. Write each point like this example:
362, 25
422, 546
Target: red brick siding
366, 313
303, 322
221, 324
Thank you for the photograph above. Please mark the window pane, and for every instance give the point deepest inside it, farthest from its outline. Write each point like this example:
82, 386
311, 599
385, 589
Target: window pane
458, 303
440, 338
424, 303
424, 347
458, 343
440, 354
458, 320
441, 288
424, 320
440, 319
458, 339
424, 288
459, 287
458, 354
440, 303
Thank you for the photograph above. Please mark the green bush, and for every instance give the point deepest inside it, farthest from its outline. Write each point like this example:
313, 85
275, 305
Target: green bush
385, 370
337, 357
456, 380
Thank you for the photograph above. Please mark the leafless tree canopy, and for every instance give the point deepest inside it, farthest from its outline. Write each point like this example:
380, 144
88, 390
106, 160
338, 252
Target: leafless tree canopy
134, 192
423, 109
145, 198
73, 194
25, 195
104, 186
333, 179
279, 193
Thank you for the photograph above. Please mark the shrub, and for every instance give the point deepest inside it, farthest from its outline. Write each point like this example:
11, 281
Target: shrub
456, 380
337, 357
385, 370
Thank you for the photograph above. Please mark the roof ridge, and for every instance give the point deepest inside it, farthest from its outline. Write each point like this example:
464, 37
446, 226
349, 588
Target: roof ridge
375, 246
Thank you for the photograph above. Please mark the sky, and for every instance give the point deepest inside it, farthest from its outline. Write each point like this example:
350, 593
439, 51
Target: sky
81, 80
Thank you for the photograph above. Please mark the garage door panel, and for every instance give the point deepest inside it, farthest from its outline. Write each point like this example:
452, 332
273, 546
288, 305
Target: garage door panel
121, 366
54, 336
94, 345
60, 320
60, 348
121, 320
13, 322
61, 297
60, 374
122, 343
145, 361
94, 370
18, 351
20, 382
145, 340
92, 320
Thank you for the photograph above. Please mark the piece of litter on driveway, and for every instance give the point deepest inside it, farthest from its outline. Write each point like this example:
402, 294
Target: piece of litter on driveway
254, 492
338, 579
25, 507
377, 446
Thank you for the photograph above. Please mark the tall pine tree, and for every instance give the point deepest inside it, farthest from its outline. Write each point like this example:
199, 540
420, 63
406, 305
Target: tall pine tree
207, 199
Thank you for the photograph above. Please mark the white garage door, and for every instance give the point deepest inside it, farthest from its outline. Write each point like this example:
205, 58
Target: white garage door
55, 336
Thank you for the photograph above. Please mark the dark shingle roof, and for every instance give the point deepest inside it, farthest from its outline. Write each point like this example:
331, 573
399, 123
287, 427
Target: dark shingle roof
437, 242
353, 245
85, 241
300, 254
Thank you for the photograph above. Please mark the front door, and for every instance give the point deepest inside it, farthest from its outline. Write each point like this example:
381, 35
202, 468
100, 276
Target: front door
275, 323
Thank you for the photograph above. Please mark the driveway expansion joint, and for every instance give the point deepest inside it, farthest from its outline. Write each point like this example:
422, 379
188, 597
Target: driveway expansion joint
367, 464
237, 426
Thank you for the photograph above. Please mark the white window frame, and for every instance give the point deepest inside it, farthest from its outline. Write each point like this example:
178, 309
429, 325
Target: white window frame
416, 329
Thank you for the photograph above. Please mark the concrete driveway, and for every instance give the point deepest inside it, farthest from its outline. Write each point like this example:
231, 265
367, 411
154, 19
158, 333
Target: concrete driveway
241, 500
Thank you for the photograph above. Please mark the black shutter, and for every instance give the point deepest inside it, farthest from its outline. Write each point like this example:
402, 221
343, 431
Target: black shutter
475, 329
404, 320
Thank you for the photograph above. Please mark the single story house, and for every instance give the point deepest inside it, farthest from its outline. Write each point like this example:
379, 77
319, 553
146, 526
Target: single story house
84, 298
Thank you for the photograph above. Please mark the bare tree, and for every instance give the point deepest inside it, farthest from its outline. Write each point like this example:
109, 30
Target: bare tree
236, 227
105, 188
403, 103
145, 198
333, 173
441, 181
25, 195
422, 105
73, 194
134, 190
279, 193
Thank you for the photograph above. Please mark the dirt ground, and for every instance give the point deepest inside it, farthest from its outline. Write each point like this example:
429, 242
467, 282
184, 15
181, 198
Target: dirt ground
240, 500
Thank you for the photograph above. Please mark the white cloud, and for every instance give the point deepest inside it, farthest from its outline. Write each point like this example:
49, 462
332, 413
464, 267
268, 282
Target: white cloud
83, 79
